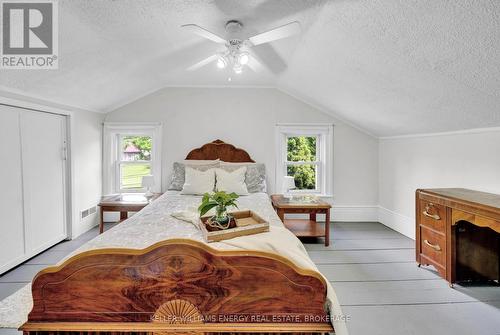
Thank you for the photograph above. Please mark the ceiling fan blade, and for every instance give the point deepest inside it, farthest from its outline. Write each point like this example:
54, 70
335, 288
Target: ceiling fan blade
202, 63
269, 58
286, 30
195, 29
255, 65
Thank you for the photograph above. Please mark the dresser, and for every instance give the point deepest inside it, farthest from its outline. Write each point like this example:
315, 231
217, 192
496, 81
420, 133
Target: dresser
458, 232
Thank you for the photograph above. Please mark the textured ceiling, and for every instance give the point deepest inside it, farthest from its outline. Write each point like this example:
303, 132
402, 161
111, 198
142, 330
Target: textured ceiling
389, 67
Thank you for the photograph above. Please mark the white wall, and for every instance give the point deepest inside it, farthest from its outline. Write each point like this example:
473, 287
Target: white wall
468, 160
86, 131
246, 117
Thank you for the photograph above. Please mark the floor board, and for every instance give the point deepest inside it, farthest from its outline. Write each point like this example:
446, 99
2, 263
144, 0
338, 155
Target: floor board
50, 257
23, 273
410, 292
429, 319
363, 244
359, 231
375, 272
68, 246
362, 256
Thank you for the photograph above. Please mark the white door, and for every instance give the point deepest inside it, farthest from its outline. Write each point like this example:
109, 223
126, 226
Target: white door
11, 198
43, 144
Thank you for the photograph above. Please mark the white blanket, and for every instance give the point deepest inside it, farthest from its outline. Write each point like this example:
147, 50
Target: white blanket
155, 223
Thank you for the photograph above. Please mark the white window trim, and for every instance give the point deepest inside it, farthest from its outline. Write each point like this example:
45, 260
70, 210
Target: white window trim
325, 155
110, 142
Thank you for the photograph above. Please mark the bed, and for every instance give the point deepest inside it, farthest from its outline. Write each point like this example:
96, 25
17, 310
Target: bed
153, 274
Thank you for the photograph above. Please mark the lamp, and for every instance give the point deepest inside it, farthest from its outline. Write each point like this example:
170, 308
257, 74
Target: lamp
148, 182
288, 184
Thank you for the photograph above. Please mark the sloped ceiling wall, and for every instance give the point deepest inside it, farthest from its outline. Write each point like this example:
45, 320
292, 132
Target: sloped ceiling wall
390, 67
399, 67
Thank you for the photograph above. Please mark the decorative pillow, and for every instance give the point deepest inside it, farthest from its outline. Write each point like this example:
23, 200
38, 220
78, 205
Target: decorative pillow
191, 162
233, 181
198, 182
178, 173
255, 177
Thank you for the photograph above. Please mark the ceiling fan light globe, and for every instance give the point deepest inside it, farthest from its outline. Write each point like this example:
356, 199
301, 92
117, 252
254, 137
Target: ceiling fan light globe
243, 58
238, 69
221, 63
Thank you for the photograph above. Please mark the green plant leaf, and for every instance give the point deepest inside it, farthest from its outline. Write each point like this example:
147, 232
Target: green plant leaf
204, 208
219, 199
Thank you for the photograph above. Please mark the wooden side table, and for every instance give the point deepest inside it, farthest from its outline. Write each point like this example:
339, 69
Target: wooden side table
301, 227
123, 203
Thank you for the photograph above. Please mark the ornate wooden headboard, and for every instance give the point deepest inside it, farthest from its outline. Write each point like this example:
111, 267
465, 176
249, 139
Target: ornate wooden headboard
220, 150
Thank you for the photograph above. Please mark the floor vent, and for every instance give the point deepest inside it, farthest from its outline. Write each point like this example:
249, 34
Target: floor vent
88, 211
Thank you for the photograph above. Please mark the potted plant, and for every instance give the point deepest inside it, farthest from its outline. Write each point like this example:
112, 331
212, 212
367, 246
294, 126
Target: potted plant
221, 201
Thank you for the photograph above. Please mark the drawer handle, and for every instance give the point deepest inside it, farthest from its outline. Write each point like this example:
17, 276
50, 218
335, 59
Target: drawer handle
433, 246
426, 213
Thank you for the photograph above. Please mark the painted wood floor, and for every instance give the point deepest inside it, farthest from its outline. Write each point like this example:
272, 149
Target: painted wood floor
374, 274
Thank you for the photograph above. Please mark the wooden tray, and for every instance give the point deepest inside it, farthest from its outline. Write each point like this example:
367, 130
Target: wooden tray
247, 223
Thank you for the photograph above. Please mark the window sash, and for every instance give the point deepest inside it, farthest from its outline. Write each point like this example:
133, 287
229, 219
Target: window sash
302, 163
317, 163
120, 177
318, 144
134, 162
317, 181
120, 162
121, 136
324, 156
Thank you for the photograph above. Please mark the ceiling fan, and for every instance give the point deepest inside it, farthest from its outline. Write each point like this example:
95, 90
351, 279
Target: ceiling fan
237, 53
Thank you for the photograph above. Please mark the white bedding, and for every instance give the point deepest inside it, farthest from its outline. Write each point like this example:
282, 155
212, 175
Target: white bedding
154, 223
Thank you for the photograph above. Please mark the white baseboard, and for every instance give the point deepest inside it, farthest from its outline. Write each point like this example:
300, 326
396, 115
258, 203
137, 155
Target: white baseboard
354, 213
400, 223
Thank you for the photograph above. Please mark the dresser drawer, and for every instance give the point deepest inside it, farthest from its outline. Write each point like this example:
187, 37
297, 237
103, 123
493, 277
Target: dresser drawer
433, 245
432, 215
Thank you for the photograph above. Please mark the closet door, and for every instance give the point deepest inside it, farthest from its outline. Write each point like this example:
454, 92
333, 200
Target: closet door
11, 198
43, 142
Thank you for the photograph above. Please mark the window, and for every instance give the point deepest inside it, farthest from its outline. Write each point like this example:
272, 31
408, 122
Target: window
131, 151
304, 153
134, 161
302, 161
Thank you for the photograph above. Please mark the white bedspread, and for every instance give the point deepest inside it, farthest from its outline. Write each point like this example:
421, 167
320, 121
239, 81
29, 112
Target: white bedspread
154, 223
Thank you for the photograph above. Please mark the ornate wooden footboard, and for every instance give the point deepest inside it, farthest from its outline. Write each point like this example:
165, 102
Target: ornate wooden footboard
177, 286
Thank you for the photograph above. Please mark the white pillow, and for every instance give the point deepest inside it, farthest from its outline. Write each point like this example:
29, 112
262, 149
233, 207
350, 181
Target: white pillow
189, 162
198, 182
255, 178
233, 181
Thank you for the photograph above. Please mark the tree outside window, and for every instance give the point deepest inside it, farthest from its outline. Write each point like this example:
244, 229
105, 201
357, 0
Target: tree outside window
302, 161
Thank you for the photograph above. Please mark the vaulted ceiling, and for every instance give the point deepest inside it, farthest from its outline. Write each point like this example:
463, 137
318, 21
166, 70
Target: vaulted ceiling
389, 67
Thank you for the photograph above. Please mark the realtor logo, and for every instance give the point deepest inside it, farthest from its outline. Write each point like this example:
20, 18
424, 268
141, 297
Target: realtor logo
29, 34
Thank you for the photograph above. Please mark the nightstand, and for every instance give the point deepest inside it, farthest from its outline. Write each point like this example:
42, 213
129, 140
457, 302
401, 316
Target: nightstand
123, 203
304, 227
